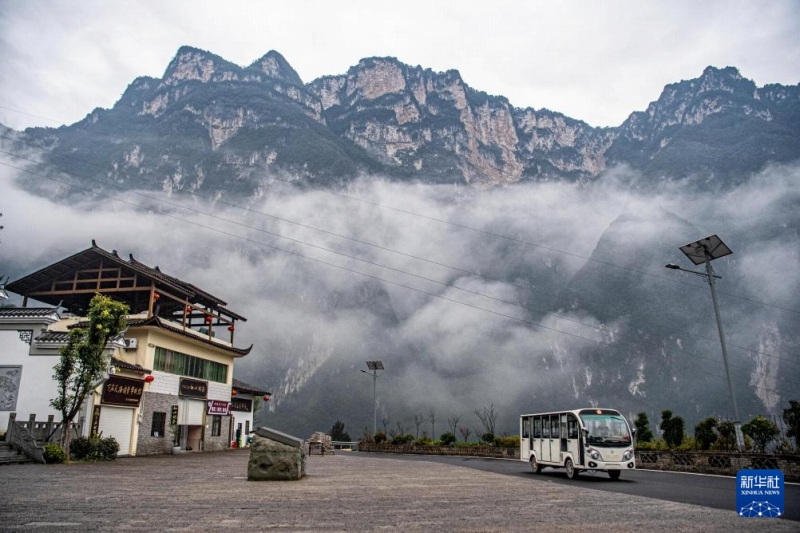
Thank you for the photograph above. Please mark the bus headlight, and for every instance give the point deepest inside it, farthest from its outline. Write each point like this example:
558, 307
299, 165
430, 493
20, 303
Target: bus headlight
628, 455
594, 454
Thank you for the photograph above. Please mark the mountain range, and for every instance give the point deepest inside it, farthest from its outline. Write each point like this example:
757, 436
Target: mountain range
703, 155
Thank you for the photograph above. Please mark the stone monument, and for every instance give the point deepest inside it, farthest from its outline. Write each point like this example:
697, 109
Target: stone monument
275, 456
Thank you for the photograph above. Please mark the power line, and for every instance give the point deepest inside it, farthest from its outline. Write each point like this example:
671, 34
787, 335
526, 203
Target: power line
525, 321
367, 243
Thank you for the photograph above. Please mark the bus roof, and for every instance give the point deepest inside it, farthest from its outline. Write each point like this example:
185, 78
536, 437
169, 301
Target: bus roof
581, 411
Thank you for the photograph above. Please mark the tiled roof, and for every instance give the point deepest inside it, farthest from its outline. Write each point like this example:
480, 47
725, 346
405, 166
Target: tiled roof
129, 366
241, 386
156, 322
38, 285
27, 312
55, 337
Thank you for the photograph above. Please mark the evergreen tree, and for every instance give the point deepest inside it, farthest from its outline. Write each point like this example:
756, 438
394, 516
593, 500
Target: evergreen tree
762, 431
672, 427
791, 417
643, 433
705, 434
338, 433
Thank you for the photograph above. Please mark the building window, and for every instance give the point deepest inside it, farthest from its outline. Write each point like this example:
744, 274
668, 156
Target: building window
187, 365
216, 425
159, 420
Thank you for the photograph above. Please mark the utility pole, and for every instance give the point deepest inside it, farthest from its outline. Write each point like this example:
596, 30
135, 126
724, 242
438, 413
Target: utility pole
374, 366
703, 252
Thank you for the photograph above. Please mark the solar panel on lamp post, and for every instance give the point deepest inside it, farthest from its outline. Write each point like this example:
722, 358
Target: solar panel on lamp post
374, 366
703, 252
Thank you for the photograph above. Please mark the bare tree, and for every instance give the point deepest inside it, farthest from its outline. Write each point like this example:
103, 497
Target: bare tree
392, 433
418, 419
488, 418
385, 422
453, 424
401, 427
432, 418
465, 432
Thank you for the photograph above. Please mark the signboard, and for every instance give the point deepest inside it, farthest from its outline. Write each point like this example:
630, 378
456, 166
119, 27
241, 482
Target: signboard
122, 391
241, 404
96, 420
218, 407
193, 388
173, 417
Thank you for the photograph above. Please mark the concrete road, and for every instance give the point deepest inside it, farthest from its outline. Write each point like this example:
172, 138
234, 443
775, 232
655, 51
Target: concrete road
345, 492
718, 492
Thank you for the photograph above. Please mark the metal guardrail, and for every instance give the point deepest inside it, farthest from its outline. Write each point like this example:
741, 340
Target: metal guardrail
344, 445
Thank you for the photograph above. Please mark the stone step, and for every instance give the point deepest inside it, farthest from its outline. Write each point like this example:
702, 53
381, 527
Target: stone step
10, 455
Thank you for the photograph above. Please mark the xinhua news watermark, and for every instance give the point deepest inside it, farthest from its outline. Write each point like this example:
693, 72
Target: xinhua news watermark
759, 493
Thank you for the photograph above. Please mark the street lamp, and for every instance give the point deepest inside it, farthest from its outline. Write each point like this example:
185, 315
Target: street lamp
703, 252
374, 366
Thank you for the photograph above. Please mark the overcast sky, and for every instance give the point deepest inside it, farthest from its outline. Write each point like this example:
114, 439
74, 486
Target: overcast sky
596, 61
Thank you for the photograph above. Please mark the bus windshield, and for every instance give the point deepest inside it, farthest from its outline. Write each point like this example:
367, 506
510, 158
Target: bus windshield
606, 430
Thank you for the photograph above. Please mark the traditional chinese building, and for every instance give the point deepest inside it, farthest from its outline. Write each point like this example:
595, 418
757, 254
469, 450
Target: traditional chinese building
170, 383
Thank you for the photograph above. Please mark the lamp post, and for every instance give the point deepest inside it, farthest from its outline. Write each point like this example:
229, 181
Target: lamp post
703, 252
374, 366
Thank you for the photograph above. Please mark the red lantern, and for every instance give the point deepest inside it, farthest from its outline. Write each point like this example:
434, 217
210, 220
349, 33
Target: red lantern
156, 296
209, 318
231, 328
149, 379
234, 393
266, 398
188, 309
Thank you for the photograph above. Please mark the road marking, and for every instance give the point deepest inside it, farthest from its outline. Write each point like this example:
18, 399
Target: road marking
701, 474
52, 524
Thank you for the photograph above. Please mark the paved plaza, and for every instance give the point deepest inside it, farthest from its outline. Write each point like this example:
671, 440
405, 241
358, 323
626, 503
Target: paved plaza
346, 492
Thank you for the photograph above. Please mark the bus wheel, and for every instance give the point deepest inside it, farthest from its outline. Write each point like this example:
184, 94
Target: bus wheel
614, 474
571, 472
535, 466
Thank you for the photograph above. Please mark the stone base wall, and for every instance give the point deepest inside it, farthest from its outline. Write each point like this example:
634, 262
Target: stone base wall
149, 445
472, 451
723, 463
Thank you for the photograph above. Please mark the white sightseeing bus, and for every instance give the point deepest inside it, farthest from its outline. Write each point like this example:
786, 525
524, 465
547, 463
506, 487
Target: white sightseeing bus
581, 439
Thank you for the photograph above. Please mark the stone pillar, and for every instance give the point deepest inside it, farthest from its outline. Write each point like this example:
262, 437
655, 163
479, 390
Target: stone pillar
275, 456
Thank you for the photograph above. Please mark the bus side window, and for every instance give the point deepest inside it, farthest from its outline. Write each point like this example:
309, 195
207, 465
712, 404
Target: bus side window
537, 427
554, 429
572, 426
526, 424
545, 427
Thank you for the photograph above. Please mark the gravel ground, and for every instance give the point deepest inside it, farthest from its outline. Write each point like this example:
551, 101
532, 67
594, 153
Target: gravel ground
210, 492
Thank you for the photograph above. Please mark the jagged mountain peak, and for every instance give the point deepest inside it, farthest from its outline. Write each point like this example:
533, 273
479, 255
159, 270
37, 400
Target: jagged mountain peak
274, 65
192, 63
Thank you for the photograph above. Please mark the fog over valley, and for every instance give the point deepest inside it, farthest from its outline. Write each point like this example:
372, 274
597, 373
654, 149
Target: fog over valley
528, 297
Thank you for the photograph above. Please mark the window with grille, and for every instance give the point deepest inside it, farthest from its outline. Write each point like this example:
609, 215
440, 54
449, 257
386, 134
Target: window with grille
159, 422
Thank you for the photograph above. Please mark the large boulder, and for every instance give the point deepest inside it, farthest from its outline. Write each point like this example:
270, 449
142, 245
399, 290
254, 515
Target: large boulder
275, 456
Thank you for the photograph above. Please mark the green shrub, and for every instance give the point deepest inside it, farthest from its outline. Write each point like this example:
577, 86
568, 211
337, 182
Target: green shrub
423, 441
108, 448
54, 453
689, 444
488, 438
656, 445
380, 437
400, 440
447, 439
95, 448
507, 442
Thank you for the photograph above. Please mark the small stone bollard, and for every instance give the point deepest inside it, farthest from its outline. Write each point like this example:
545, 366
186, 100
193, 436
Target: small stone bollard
275, 456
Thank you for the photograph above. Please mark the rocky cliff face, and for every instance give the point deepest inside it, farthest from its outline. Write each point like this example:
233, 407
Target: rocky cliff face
210, 125
434, 124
